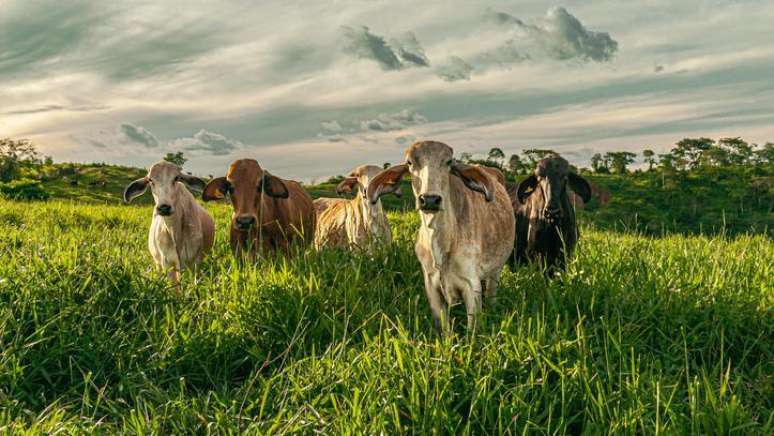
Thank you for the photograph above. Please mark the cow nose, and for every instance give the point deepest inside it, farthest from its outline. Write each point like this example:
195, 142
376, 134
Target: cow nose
430, 202
245, 222
164, 209
553, 214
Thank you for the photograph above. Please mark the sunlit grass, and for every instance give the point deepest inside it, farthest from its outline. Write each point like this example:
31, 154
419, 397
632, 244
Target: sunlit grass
640, 335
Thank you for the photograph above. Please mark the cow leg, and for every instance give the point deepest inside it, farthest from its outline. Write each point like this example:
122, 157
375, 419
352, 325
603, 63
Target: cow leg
174, 277
471, 294
490, 288
438, 306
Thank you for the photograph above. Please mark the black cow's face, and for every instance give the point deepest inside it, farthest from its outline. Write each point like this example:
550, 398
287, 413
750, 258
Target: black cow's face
550, 181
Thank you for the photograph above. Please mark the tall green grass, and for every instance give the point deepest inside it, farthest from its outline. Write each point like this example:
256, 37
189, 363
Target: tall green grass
640, 335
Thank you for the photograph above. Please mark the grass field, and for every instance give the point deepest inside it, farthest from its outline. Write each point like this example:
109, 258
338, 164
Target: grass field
640, 335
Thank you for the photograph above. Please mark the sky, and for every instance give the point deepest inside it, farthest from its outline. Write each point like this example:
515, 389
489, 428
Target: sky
312, 89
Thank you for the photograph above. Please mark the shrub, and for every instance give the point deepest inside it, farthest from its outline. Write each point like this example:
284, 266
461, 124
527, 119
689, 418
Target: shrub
23, 189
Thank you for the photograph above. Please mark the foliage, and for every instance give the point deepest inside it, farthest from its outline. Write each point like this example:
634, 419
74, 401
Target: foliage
176, 158
13, 155
639, 336
23, 189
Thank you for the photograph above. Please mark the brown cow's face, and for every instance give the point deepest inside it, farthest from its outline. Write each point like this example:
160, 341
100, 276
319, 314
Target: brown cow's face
245, 181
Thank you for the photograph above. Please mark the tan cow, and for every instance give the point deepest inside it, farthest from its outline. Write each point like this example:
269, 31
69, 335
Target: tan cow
352, 223
270, 214
182, 231
467, 226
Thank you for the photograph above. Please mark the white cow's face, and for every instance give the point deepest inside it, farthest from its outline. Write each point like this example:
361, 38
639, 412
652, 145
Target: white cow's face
166, 182
430, 165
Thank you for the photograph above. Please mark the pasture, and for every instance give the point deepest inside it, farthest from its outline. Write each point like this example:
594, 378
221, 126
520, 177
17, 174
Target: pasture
640, 335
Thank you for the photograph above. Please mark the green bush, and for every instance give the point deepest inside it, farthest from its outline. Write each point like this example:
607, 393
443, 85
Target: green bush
24, 189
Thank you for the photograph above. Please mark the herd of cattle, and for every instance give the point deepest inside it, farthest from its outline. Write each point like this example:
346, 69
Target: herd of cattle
472, 222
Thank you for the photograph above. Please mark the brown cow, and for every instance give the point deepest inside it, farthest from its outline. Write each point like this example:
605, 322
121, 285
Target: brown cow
352, 223
270, 214
546, 230
467, 224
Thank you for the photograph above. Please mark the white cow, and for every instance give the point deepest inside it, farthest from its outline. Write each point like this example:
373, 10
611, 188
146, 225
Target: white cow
182, 231
356, 222
467, 226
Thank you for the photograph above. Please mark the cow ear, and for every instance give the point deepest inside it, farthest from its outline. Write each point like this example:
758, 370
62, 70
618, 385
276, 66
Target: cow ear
216, 189
135, 189
273, 186
580, 186
191, 181
346, 185
526, 187
475, 178
386, 182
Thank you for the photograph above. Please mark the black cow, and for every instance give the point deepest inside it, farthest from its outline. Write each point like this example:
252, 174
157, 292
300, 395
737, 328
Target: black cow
545, 219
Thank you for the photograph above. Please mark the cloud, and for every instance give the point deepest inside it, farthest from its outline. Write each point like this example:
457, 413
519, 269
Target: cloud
455, 69
559, 35
139, 135
363, 44
502, 56
331, 126
409, 50
405, 139
396, 121
402, 52
213, 143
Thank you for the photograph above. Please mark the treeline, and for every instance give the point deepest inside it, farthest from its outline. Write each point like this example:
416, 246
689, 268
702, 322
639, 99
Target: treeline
687, 154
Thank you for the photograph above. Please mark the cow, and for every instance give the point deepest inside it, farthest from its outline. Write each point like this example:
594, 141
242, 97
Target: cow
270, 214
181, 231
546, 231
467, 227
357, 222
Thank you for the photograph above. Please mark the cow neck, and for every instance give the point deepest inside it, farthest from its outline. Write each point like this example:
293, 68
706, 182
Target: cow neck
174, 224
439, 230
371, 215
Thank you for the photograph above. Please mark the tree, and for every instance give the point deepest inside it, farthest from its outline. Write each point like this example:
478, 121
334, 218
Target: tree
535, 154
386, 165
596, 162
619, 160
715, 156
176, 158
649, 158
14, 154
688, 151
465, 157
738, 150
515, 164
496, 154
765, 155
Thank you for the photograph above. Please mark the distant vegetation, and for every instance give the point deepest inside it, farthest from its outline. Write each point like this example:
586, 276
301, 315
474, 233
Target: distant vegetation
700, 186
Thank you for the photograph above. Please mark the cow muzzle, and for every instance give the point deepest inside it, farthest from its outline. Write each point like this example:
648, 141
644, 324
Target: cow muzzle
165, 210
244, 222
429, 202
552, 214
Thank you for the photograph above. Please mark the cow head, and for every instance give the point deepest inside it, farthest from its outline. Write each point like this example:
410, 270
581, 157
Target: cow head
244, 183
431, 165
166, 182
550, 180
359, 179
